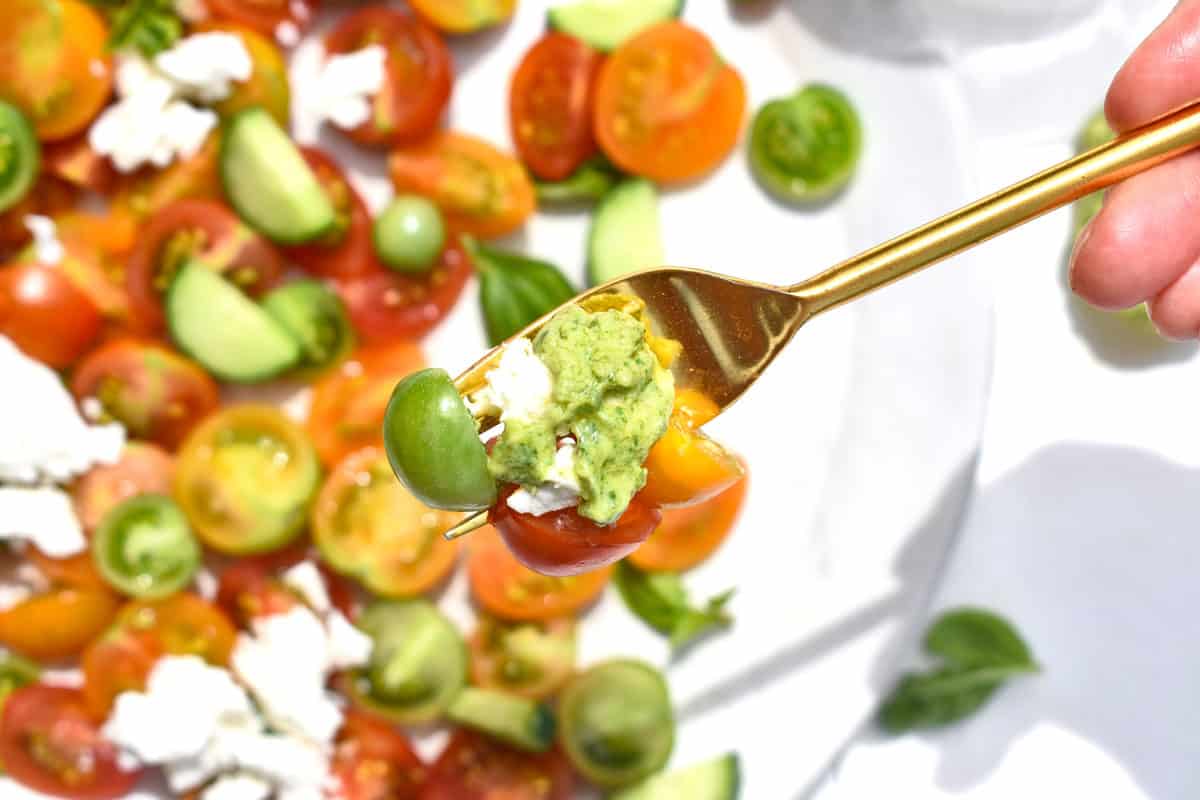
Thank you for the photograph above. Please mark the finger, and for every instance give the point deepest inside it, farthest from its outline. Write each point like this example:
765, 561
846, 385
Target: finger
1143, 239
1176, 310
1162, 74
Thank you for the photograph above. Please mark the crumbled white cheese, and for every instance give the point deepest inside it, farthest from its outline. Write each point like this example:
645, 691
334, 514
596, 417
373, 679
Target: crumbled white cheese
285, 664
47, 249
559, 490
204, 66
11, 790
287, 34
44, 516
518, 388
306, 579
207, 583
296, 769
238, 786
191, 10
348, 646
344, 88
42, 436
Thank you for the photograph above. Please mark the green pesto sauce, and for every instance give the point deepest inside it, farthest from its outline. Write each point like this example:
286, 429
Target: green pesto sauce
610, 393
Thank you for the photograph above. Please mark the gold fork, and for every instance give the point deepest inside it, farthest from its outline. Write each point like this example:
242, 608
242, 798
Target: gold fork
732, 329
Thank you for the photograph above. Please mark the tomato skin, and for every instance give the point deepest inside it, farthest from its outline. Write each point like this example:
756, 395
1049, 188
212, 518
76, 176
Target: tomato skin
265, 16
74, 161
43, 724
507, 589
480, 190
419, 74
685, 467
59, 623
157, 394
563, 543
550, 105
349, 403
251, 588
119, 661
464, 16
372, 760
45, 315
49, 197
151, 190
688, 536
667, 107
206, 230
385, 306
96, 246
474, 767
141, 469
348, 252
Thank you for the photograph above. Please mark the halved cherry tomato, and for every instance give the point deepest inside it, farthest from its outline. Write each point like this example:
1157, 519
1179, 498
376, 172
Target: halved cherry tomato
121, 659
369, 527
481, 191
267, 85
667, 106
49, 744
688, 536
387, 305
475, 767
199, 229
46, 315
251, 588
194, 178
77, 571
58, 623
564, 543
96, 248
510, 590
54, 64
141, 469
349, 403
157, 394
464, 16
49, 197
550, 105
346, 251
418, 77
74, 161
372, 760
265, 16
685, 467
526, 659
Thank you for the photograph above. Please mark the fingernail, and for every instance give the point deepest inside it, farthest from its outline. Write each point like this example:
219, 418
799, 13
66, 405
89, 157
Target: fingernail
1080, 241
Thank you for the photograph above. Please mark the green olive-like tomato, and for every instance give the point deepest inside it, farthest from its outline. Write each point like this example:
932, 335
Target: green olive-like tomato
433, 444
805, 148
410, 234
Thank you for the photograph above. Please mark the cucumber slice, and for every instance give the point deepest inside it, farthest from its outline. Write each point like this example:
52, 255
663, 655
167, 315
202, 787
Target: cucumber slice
718, 779
213, 322
269, 183
519, 721
606, 24
626, 235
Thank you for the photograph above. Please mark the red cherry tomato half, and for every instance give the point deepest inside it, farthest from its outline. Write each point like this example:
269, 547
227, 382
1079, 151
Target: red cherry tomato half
142, 469
265, 16
252, 588
386, 305
74, 161
202, 229
550, 105
157, 394
347, 250
564, 543
419, 73
46, 315
374, 761
49, 744
474, 767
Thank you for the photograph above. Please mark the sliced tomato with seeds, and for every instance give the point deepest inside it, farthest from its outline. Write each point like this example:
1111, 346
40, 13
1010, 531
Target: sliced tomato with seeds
266, 16
157, 394
252, 588
204, 230
419, 73
475, 767
141, 469
96, 247
550, 105
347, 250
372, 760
193, 178
50, 744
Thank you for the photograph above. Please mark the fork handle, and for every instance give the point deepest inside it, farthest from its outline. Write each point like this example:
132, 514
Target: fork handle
1130, 154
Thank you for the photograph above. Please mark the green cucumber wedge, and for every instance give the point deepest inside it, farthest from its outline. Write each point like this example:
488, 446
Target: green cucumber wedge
519, 721
607, 24
626, 233
718, 779
213, 322
269, 183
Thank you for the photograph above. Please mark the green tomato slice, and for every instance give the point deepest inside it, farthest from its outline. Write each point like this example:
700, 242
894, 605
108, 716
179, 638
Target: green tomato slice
617, 723
145, 549
433, 445
20, 156
418, 662
805, 148
314, 316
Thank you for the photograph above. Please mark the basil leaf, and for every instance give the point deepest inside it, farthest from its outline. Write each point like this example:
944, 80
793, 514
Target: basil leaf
514, 290
660, 600
588, 183
149, 26
980, 652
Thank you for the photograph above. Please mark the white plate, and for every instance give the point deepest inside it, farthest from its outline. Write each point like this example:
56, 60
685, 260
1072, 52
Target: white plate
860, 440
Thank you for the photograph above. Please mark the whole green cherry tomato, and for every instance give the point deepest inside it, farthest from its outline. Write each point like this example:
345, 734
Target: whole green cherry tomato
410, 234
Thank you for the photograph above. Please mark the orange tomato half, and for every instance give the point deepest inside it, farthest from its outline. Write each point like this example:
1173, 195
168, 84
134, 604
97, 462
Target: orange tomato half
59, 623
464, 16
688, 536
686, 467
